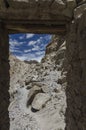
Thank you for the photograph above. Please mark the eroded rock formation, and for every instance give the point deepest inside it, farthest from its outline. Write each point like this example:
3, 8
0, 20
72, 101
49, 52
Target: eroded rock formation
36, 92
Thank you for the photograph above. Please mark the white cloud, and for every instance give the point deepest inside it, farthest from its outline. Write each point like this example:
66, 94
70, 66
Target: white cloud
40, 53
22, 37
35, 53
36, 48
15, 51
31, 43
39, 58
22, 58
20, 43
13, 42
38, 41
47, 37
29, 35
41, 40
14, 46
26, 51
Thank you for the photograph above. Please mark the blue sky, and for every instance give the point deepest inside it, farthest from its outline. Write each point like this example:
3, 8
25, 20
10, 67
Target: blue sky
29, 46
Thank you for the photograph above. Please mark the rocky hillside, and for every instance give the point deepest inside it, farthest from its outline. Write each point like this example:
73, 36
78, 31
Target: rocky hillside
37, 90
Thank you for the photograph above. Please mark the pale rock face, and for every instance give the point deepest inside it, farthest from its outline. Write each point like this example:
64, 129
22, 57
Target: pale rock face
33, 91
45, 89
37, 100
40, 101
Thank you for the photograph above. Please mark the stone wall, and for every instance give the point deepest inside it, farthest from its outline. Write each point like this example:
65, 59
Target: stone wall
4, 78
44, 9
76, 78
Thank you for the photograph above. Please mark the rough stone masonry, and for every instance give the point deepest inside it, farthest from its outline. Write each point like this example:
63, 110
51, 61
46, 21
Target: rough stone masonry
63, 11
76, 78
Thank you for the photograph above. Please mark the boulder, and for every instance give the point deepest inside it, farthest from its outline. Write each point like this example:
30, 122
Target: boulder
40, 101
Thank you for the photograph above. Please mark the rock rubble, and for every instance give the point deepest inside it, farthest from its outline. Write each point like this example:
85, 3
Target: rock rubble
37, 91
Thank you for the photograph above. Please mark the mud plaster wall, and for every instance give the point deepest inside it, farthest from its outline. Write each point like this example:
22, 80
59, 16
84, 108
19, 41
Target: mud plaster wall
76, 78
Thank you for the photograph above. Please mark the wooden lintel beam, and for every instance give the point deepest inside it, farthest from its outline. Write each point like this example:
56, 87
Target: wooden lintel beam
32, 21
41, 28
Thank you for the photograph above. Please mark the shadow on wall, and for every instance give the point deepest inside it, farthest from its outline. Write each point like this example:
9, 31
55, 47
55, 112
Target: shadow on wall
76, 78
4, 78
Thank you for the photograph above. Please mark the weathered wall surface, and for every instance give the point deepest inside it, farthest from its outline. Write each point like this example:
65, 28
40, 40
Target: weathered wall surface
76, 78
44, 9
4, 79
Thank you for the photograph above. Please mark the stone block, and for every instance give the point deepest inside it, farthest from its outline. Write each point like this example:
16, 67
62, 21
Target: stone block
40, 101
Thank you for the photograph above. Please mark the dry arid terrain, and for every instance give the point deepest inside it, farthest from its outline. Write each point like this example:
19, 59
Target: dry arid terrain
37, 90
